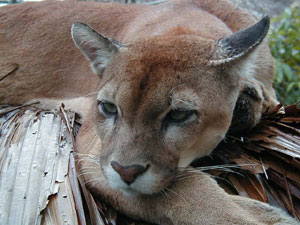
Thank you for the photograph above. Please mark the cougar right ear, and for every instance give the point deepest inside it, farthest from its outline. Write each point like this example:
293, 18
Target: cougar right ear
97, 48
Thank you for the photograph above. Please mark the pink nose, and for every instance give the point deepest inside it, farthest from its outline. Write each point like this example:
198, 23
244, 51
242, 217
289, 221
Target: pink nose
128, 173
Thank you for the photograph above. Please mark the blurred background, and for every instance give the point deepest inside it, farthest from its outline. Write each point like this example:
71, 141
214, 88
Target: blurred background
284, 39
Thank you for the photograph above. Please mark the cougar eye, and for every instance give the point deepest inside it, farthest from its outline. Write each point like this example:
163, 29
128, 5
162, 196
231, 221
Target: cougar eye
108, 108
178, 116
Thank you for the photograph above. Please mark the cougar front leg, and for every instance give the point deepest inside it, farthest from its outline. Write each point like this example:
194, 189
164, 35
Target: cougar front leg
195, 201
200, 200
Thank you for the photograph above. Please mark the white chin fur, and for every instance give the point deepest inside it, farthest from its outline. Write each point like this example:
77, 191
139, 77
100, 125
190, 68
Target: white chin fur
144, 184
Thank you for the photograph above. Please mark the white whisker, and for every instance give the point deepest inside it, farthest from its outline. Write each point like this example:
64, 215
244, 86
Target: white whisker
95, 179
224, 166
188, 177
87, 159
89, 167
164, 194
88, 155
173, 192
223, 179
84, 173
188, 106
220, 169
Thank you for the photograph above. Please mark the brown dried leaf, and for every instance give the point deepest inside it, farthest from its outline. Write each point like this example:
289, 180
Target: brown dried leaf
275, 145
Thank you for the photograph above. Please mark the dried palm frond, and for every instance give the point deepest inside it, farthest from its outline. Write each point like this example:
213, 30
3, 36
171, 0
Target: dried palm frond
268, 161
35, 178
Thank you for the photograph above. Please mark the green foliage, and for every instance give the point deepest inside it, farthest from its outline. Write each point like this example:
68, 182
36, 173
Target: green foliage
285, 47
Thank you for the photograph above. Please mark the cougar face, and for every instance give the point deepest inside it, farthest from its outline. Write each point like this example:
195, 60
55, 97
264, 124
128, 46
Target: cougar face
163, 101
156, 108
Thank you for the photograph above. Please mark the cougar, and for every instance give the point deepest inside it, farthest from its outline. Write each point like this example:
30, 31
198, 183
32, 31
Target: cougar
171, 80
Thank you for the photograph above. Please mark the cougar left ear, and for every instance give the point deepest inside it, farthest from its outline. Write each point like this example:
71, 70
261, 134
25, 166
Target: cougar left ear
97, 48
240, 43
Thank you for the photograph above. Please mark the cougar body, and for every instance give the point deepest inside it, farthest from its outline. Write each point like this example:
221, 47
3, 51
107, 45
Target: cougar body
171, 81
39, 61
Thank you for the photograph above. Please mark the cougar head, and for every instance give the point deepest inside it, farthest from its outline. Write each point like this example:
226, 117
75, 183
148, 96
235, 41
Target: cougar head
163, 101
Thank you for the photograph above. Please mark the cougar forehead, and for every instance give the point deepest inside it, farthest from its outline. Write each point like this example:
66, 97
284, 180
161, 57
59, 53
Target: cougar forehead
148, 72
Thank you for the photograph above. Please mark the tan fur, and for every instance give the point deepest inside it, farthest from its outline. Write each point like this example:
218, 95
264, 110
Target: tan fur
161, 62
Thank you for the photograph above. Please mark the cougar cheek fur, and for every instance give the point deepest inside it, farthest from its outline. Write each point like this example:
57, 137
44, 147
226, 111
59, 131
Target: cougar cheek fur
166, 83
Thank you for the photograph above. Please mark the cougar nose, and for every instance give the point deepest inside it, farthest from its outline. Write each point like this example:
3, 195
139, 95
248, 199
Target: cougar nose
128, 173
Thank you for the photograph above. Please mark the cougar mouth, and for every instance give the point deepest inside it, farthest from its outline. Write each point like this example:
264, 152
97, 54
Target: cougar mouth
147, 183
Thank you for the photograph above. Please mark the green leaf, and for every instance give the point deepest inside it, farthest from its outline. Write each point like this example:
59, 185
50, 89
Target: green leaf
279, 72
288, 71
290, 87
285, 47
